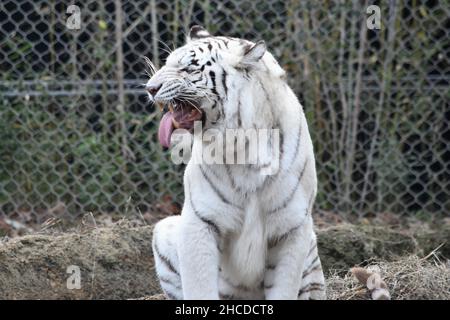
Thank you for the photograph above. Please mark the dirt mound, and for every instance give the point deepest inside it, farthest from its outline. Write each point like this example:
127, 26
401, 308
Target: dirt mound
117, 263
346, 245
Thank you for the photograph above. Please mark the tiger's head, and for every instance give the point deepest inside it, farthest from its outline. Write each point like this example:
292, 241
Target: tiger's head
206, 79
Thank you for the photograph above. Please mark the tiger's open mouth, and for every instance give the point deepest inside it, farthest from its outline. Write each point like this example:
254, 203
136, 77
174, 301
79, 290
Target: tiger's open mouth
181, 115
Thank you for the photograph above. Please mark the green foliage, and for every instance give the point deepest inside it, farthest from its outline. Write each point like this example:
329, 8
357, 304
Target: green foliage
374, 111
51, 153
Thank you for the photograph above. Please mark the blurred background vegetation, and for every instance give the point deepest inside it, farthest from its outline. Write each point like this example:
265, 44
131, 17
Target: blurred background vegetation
78, 135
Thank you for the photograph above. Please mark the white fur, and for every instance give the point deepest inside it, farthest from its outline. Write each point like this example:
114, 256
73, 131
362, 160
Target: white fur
250, 210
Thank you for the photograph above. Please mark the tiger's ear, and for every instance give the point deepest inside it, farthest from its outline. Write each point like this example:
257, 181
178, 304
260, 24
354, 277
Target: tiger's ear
252, 54
197, 32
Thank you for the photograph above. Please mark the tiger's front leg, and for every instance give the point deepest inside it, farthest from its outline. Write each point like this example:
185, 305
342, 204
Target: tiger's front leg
288, 257
199, 257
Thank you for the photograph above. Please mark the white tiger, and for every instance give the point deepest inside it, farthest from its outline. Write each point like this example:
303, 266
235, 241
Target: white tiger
241, 234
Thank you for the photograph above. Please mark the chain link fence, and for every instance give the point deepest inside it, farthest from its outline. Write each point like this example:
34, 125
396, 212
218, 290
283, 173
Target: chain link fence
78, 135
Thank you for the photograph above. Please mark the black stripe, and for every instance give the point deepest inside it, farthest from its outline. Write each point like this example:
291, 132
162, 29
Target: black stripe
271, 267
220, 46
214, 173
228, 171
260, 166
291, 195
215, 189
273, 178
213, 79
226, 296
239, 121
236, 188
237, 286
266, 94
170, 88
312, 249
312, 264
224, 82
274, 241
170, 295
210, 46
307, 273
247, 47
225, 42
297, 146
211, 224
166, 261
208, 222
313, 286
310, 204
170, 282
281, 144
265, 91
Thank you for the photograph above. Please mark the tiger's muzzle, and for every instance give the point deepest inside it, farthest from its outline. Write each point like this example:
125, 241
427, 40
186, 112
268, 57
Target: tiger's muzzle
181, 114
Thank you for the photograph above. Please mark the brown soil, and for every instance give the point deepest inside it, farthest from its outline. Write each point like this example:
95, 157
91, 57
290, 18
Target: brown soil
115, 263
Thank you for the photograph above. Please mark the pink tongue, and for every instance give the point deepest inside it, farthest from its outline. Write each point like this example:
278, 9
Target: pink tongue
165, 129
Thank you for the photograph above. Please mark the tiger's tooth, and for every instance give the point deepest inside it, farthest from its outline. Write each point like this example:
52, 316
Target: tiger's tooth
160, 105
170, 107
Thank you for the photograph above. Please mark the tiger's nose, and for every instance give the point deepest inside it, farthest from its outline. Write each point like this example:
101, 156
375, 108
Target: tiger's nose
153, 89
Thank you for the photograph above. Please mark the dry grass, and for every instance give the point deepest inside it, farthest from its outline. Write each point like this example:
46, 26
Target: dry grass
118, 257
410, 278
160, 296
